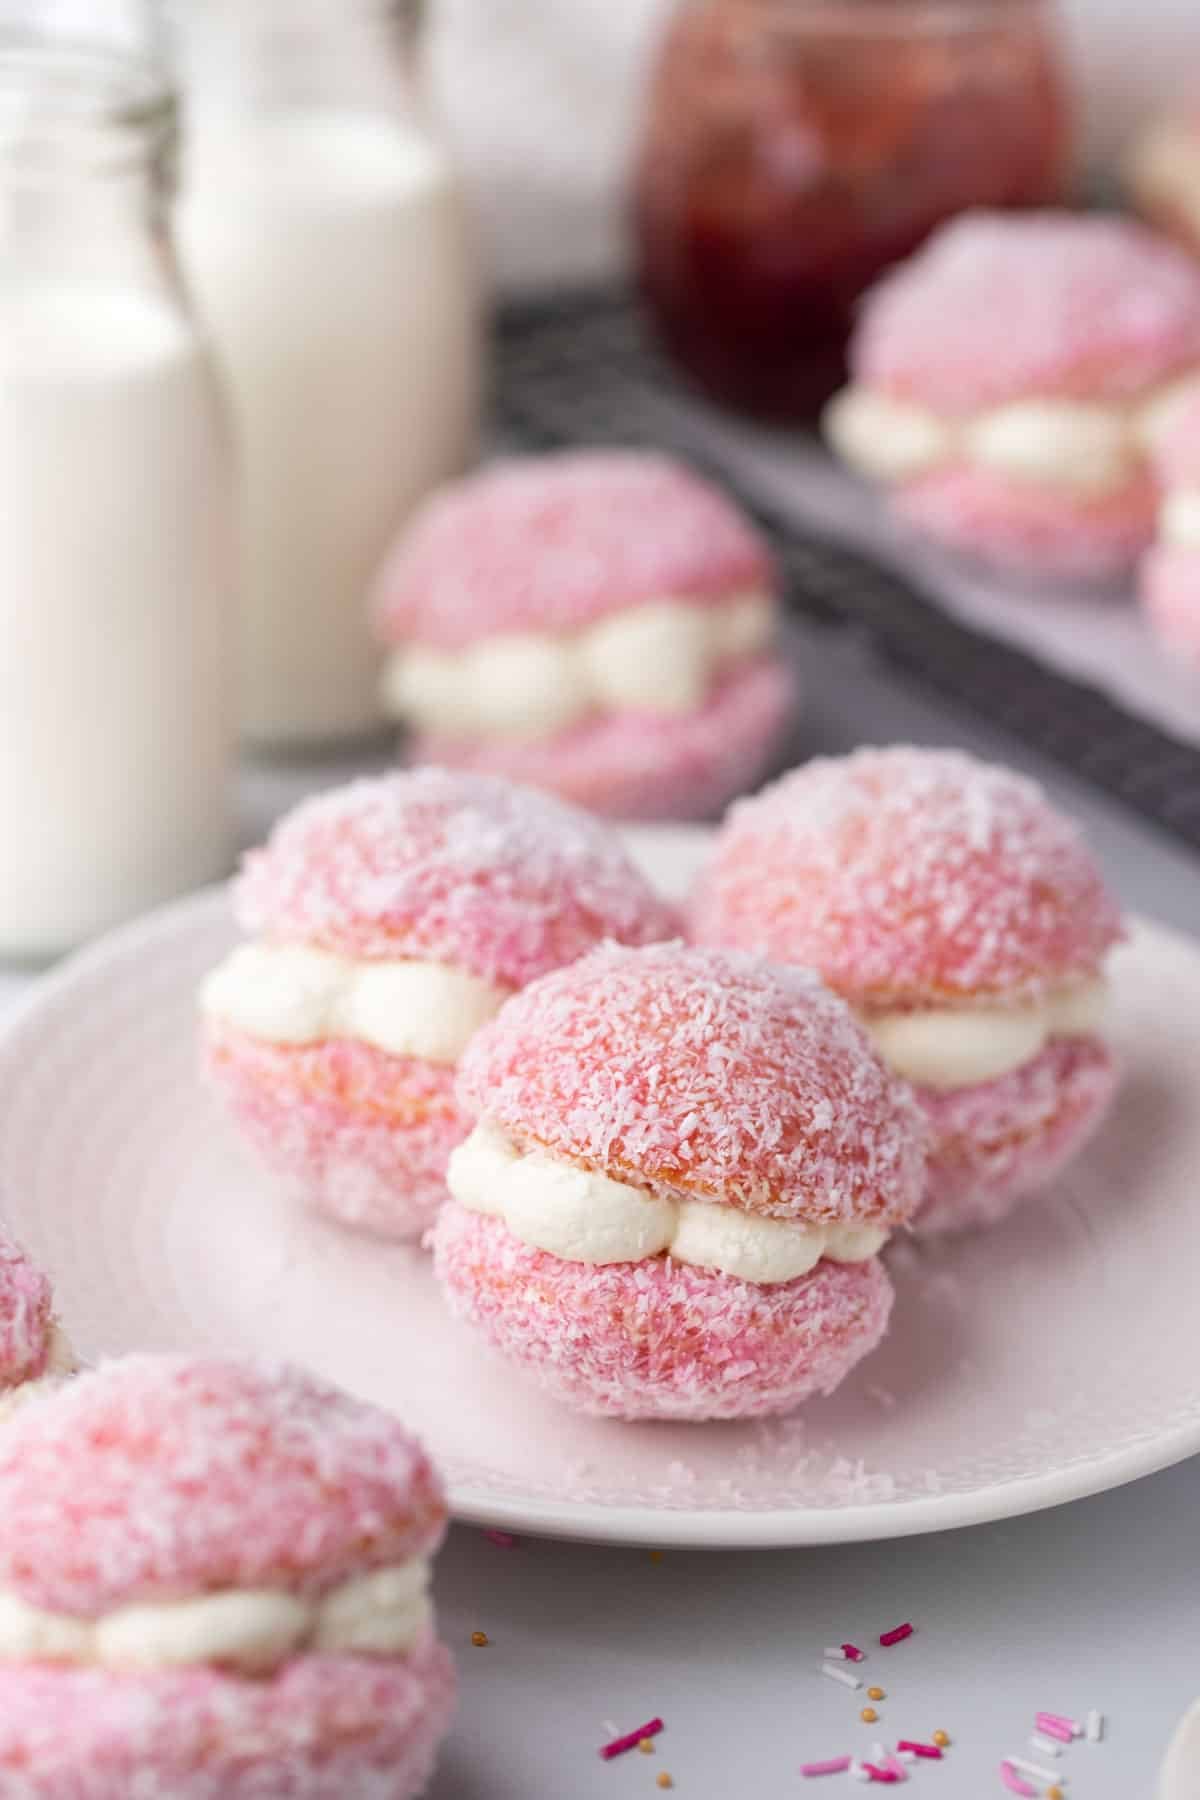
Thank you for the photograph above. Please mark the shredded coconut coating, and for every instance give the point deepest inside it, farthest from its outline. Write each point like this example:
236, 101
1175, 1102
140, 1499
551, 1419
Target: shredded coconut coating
998, 306
1003, 1141
461, 869
700, 1074
659, 1339
160, 1476
361, 1136
551, 543
26, 1317
910, 877
1031, 530
322, 1728
1170, 592
638, 765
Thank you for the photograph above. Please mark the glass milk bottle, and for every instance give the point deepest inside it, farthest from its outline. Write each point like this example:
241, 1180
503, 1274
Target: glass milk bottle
322, 232
115, 734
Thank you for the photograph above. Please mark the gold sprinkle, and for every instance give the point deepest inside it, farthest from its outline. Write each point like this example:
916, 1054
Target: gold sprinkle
941, 1739
479, 1639
656, 1556
646, 1746
1054, 1793
664, 1780
874, 1693
868, 1715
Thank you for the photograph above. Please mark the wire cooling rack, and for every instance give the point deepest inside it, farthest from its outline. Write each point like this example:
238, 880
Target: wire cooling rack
578, 369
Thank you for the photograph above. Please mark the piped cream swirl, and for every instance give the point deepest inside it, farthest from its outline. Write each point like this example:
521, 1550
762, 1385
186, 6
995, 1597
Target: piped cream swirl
584, 1216
660, 657
252, 1630
959, 1047
293, 994
1080, 447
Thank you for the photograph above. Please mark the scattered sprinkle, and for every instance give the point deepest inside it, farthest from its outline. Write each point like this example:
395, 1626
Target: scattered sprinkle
929, 1750
891, 1763
479, 1639
859, 1772
503, 1540
631, 1739
663, 1780
852, 1653
1094, 1730
1034, 1769
868, 1715
1064, 1730
1054, 1793
656, 1556
1013, 1781
842, 1675
874, 1773
646, 1746
875, 1693
835, 1653
1045, 1746
942, 1739
833, 1765
896, 1636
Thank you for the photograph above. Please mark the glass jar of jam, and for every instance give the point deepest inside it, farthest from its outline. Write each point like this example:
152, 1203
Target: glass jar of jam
793, 149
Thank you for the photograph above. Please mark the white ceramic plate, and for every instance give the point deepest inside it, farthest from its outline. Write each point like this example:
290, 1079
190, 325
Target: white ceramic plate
1057, 1356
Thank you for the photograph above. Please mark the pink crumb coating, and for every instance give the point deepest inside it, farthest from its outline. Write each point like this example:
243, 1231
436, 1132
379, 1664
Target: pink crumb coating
909, 876
360, 1135
321, 1728
551, 543
638, 765
658, 1339
161, 1476
1032, 529
1001, 1141
699, 1074
998, 306
1170, 591
462, 869
26, 1317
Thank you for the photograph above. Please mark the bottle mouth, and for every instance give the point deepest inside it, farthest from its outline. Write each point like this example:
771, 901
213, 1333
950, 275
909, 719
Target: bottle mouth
75, 106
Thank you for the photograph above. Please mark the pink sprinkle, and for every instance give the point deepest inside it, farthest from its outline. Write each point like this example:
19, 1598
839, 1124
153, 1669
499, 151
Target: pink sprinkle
852, 1653
503, 1540
888, 1638
929, 1750
896, 1766
631, 1740
836, 1765
1062, 1729
1013, 1781
885, 1775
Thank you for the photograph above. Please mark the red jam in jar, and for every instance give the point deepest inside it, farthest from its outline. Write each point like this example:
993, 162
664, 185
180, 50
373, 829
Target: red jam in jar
793, 149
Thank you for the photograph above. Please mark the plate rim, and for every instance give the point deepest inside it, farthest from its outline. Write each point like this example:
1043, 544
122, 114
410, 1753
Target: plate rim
677, 1527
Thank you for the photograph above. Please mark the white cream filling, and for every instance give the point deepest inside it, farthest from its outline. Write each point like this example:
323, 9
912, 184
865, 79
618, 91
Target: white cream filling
252, 1630
583, 1216
290, 994
958, 1047
61, 1364
1179, 519
1080, 447
661, 657
1164, 169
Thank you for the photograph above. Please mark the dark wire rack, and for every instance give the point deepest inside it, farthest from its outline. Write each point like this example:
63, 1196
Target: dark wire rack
579, 370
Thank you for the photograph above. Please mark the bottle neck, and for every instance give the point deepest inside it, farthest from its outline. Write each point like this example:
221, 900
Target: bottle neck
279, 56
86, 142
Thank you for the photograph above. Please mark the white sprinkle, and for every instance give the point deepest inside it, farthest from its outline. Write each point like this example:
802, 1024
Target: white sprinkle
1050, 1776
907, 1756
842, 1675
858, 1772
835, 1653
1095, 1726
1045, 1746
610, 1730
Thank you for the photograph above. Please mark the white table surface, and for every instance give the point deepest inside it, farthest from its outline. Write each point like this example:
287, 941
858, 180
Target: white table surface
1096, 1604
